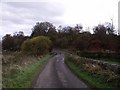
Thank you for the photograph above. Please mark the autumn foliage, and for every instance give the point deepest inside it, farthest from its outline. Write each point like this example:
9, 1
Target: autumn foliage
37, 45
103, 38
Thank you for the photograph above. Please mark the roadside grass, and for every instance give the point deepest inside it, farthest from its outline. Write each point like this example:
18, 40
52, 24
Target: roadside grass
94, 82
21, 77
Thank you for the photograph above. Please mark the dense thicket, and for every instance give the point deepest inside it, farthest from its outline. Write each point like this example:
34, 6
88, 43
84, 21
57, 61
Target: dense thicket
73, 38
37, 46
13, 43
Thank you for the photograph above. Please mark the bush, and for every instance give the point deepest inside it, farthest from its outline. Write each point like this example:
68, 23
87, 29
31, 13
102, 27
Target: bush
37, 45
98, 55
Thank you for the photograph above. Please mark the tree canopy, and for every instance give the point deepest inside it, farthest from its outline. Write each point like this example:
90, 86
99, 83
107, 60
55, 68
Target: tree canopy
73, 38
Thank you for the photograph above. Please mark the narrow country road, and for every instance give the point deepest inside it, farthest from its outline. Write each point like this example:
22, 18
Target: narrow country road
57, 75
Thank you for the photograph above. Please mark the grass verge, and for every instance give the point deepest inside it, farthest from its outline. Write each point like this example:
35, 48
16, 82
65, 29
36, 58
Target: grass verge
94, 82
22, 77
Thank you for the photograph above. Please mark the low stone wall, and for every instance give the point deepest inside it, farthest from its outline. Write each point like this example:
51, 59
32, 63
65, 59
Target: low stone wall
110, 73
105, 65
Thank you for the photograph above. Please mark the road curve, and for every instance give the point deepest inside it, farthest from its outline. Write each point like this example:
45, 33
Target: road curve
57, 75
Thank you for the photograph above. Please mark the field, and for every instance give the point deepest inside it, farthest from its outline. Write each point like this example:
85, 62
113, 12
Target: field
113, 58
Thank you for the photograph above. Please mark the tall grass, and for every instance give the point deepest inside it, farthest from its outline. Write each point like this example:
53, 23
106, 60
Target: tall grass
20, 76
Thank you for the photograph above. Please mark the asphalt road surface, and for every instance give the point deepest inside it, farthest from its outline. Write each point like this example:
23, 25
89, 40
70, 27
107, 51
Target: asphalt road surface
56, 74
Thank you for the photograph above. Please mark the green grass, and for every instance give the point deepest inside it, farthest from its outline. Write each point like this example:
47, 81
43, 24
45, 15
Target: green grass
91, 81
22, 77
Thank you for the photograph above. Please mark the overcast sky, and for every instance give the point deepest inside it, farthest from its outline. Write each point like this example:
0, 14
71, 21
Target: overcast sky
21, 15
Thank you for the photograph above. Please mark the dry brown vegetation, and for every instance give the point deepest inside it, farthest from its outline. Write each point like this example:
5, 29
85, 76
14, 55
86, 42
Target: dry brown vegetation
13, 61
109, 73
18, 69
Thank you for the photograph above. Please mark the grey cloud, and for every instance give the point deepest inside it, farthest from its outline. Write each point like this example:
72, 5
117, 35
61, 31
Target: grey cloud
43, 8
15, 14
